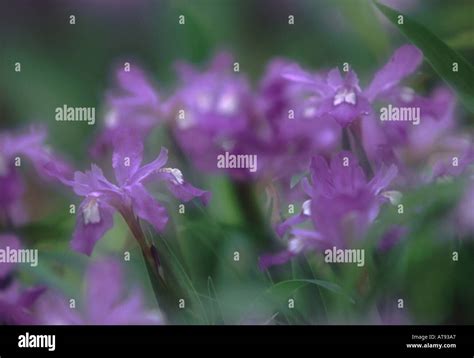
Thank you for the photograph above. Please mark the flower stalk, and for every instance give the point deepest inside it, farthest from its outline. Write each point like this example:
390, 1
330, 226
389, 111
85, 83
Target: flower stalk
159, 276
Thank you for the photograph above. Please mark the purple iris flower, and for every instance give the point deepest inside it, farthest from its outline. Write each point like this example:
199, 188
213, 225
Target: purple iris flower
342, 204
411, 142
134, 104
129, 196
15, 301
292, 132
429, 146
14, 149
341, 96
105, 301
212, 111
436, 118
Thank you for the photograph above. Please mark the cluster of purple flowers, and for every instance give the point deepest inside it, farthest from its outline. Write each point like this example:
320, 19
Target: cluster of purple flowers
104, 302
321, 123
297, 122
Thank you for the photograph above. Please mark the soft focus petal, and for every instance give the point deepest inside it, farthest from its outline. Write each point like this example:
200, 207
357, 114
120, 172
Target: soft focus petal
455, 156
127, 156
51, 166
335, 79
136, 90
107, 301
92, 181
186, 192
104, 286
13, 314
16, 304
181, 189
283, 227
94, 219
12, 242
26, 143
151, 168
31, 145
54, 309
404, 61
383, 178
29, 296
266, 261
147, 208
300, 241
296, 74
12, 209
131, 311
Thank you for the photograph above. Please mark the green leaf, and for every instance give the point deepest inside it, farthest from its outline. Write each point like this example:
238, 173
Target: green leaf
438, 54
288, 287
360, 14
464, 40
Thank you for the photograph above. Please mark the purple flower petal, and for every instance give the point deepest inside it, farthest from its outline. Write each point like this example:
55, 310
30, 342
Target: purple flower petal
186, 192
94, 219
127, 156
26, 143
266, 261
16, 304
13, 314
131, 311
404, 61
53, 308
11, 241
143, 173
136, 90
106, 301
11, 206
383, 178
147, 208
181, 189
52, 167
104, 288
30, 295
283, 227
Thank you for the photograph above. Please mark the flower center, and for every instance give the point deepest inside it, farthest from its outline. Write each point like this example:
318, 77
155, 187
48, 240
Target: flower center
91, 213
407, 94
176, 173
307, 207
227, 104
185, 120
111, 119
345, 95
309, 112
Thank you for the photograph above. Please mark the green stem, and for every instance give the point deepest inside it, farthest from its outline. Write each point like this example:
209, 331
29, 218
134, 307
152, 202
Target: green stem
158, 273
253, 214
358, 148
